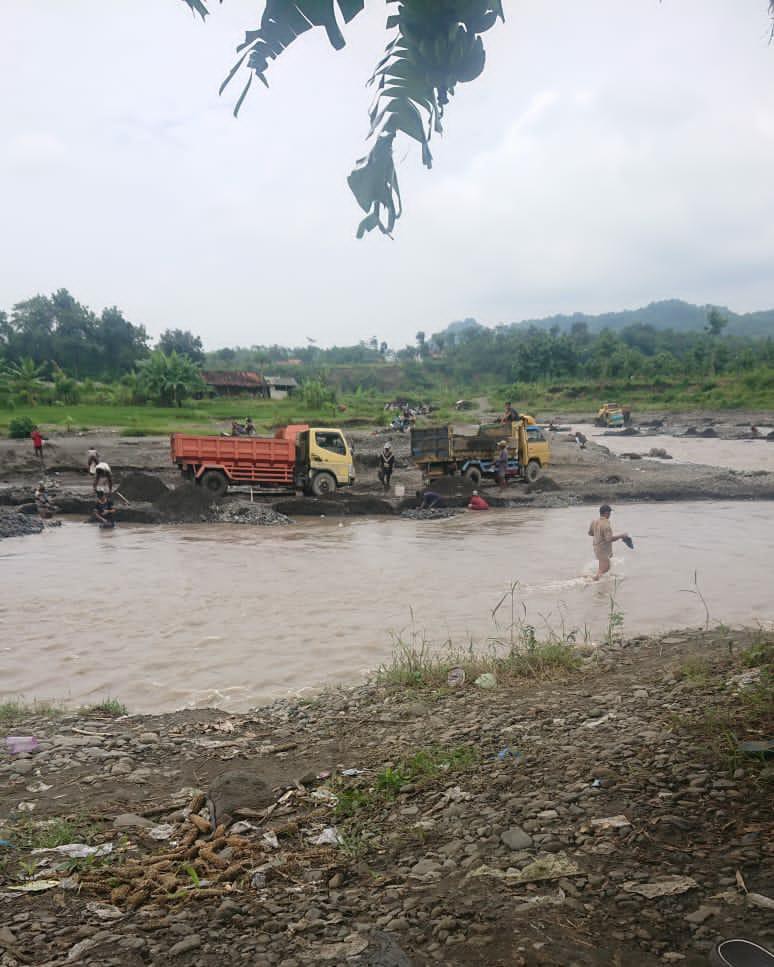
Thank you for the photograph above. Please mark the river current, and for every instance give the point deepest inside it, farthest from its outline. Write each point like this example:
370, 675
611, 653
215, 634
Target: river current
230, 615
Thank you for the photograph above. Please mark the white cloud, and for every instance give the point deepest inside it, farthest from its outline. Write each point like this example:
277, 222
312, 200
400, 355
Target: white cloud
610, 155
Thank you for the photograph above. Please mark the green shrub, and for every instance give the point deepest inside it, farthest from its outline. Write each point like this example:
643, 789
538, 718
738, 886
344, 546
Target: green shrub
20, 428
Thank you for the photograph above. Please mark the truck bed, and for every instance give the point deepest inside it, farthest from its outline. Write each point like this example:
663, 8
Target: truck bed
247, 458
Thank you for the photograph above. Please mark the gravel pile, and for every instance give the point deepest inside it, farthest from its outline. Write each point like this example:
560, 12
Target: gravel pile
256, 514
143, 486
431, 513
14, 524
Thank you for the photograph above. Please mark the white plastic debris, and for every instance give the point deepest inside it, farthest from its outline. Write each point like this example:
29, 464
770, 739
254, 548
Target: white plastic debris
78, 851
669, 885
270, 839
456, 677
162, 831
33, 886
487, 680
328, 837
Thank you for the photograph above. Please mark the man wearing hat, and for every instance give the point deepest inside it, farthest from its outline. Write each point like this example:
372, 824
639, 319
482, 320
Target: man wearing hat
386, 465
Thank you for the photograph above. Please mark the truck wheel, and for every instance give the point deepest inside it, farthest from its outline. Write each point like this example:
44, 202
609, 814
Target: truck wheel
533, 471
324, 484
214, 482
473, 474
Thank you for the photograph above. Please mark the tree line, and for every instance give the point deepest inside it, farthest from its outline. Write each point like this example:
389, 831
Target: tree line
59, 330
53, 349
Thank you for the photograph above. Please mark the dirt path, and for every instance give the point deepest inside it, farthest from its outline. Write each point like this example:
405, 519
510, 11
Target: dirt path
476, 830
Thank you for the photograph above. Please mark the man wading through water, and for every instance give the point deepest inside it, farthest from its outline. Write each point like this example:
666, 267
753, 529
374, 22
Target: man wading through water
601, 531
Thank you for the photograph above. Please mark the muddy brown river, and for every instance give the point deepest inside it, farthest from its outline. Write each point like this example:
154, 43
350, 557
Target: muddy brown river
230, 615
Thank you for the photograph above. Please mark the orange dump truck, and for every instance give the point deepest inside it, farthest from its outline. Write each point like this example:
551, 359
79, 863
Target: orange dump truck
316, 460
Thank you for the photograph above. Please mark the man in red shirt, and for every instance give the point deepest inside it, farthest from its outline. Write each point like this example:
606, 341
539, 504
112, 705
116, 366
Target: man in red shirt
477, 503
37, 442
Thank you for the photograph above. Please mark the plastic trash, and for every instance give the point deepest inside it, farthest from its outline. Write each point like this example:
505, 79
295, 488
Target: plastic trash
33, 886
661, 886
77, 851
328, 837
21, 743
258, 880
352, 772
611, 822
487, 680
270, 839
456, 677
629, 542
507, 753
741, 953
162, 831
753, 747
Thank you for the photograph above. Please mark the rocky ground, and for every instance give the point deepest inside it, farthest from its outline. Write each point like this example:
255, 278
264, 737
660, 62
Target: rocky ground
607, 816
145, 477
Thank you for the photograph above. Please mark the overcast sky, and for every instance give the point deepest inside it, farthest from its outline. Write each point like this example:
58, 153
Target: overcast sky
611, 154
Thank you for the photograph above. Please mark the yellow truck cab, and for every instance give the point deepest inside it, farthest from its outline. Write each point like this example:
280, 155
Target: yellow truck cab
329, 456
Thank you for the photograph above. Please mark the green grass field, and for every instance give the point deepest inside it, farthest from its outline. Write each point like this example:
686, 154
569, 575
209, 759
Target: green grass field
199, 416
753, 392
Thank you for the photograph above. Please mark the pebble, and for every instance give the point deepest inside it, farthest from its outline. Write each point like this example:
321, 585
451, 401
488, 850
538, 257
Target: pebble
193, 942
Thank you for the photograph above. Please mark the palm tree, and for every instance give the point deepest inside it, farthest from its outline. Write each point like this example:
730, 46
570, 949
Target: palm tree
169, 379
25, 380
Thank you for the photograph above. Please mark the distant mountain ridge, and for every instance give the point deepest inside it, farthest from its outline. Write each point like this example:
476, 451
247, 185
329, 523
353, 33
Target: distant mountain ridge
667, 314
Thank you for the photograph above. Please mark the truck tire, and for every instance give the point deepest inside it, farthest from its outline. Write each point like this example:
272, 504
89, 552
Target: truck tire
473, 474
533, 471
214, 482
323, 484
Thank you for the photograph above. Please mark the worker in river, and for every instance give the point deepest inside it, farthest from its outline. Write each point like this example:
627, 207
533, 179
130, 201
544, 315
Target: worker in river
477, 502
104, 513
601, 533
386, 465
501, 464
45, 506
92, 459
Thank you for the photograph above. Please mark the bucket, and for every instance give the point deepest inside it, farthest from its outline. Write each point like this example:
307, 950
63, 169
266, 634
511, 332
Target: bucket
400, 490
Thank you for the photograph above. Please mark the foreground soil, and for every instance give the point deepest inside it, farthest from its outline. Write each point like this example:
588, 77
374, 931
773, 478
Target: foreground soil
604, 817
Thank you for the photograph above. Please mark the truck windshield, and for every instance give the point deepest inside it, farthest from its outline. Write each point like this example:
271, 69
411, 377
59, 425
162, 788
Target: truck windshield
331, 441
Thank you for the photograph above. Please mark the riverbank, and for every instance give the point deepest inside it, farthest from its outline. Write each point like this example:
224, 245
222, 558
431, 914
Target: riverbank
599, 811
590, 475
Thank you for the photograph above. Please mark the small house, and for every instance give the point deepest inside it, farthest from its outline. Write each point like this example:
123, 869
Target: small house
231, 383
280, 387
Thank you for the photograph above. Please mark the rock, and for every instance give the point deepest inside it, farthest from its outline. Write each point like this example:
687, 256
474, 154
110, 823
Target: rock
701, 914
235, 789
131, 821
193, 942
227, 910
423, 867
516, 839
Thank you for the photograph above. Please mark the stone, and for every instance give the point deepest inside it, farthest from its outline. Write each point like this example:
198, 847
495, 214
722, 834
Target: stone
130, 821
701, 914
192, 942
516, 838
